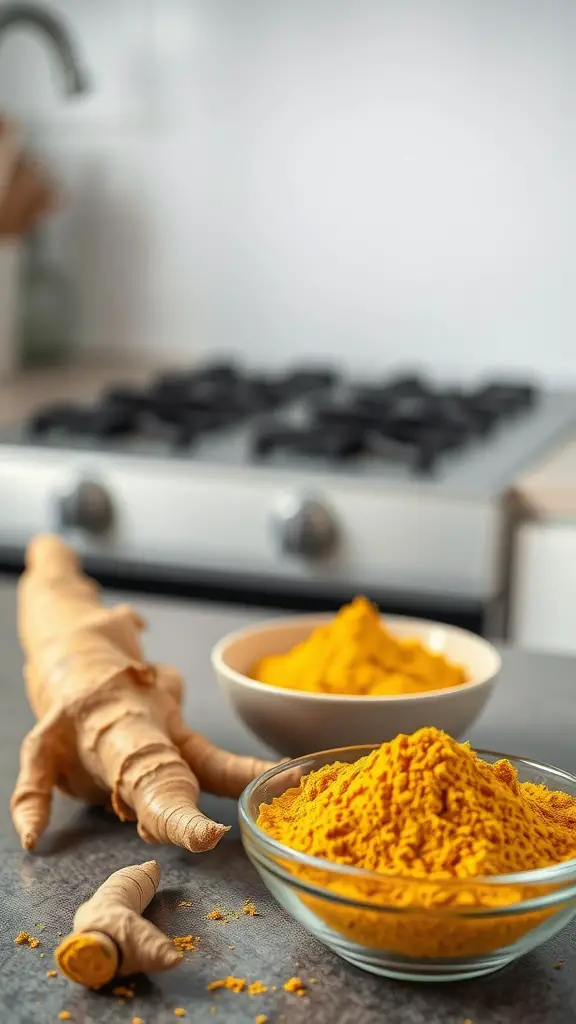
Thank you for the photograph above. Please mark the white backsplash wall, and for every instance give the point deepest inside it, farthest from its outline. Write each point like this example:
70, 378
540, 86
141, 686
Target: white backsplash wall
381, 181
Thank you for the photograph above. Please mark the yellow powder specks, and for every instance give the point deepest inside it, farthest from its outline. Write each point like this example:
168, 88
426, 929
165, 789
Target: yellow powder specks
41, 955
558, 965
136, 1020
296, 986
185, 903
123, 992
51, 974
215, 914
231, 947
39, 927
64, 1015
257, 988
179, 1011
185, 943
249, 910
233, 984
261, 1019
25, 939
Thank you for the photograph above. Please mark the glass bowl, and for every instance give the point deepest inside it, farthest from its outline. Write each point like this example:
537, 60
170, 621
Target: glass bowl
403, 928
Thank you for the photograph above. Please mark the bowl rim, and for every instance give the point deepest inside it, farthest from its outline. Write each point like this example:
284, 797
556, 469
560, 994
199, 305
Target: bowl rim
221, 666
564, 872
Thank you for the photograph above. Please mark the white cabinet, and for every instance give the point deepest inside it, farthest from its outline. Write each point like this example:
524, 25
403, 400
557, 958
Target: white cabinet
543, 576
543, 592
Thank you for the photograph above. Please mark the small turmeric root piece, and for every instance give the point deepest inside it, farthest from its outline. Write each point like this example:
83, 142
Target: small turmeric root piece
109, 725
110, 937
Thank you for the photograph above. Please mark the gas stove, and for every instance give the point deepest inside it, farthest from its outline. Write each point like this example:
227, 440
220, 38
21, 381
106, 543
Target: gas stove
304, 481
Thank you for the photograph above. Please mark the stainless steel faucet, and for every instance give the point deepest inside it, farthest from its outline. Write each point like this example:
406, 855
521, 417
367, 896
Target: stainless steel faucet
50, 24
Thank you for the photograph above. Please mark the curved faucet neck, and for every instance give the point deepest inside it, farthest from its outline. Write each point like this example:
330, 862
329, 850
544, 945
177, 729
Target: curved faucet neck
54, 29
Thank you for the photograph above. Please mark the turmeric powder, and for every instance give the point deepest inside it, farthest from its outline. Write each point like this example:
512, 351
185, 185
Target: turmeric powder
25, 939
356, 655
424, 812
231, 983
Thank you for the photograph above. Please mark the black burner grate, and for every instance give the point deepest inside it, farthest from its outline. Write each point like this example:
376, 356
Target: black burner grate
405, 419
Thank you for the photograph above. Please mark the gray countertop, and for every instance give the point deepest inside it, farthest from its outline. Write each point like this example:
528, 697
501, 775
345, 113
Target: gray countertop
532, 713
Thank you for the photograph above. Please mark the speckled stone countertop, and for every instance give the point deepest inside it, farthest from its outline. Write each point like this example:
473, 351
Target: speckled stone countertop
532, 714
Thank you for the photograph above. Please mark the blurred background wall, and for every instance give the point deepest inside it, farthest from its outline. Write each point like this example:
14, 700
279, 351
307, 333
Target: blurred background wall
406, 188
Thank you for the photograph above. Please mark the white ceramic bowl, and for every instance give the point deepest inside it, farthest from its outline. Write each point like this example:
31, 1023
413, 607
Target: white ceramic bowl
293, 722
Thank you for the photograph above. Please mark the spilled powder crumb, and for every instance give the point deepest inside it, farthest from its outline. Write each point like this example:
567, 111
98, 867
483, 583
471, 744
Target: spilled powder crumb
249, 910
121, 990
257, 988
185, 903
233, 984
558, 965
215, 914
42, 955
39, 927
51, 974
261, 1019
296, 986
185, 943
64, 1015
231, 947
179, 1011
136, 1020
25, 939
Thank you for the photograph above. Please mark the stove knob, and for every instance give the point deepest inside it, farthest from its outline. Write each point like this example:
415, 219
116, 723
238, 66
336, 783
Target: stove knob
305, 528
87, 507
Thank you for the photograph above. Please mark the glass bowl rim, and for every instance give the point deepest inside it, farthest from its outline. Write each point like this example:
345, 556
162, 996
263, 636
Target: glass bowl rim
564, 872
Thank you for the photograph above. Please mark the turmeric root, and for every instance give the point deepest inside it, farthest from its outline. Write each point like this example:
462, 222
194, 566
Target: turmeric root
110, 728
111, 937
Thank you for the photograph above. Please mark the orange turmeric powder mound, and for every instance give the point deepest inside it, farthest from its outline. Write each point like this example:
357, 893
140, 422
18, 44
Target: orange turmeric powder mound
355, 654
257, 988
233, 984
249, 910
428, 811
425, 807
185, 943
25, 939
296, 986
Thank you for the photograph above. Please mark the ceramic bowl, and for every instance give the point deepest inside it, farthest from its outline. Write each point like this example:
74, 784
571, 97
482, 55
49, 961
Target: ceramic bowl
293, 722
431, 935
